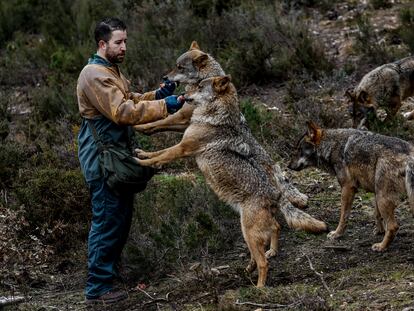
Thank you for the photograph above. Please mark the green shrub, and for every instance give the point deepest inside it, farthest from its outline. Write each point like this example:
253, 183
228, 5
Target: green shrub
406, 30
12, 158
254, 42
56, 204
373, 50
4, 116
55, 101
381, 4
256, 118
177, 218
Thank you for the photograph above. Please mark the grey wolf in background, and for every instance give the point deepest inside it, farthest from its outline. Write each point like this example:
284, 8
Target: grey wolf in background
192, 67
226, 157
384, 87
361, 159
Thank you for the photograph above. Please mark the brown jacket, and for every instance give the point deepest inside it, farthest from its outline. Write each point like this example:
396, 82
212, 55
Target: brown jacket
104, 90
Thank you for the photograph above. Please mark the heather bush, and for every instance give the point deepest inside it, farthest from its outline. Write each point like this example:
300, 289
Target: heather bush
55, 204
371, 47
406, 30
255, 43
178, 219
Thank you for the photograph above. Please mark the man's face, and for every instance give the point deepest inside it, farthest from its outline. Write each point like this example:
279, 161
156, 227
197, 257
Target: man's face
116, 47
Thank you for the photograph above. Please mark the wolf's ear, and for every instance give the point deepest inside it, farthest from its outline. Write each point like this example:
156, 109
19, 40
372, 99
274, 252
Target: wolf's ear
363, 97
314, 132
201, 60
194, 46
221, 83
350, 93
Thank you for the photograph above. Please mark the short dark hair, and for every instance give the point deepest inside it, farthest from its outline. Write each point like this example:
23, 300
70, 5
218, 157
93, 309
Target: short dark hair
105, 27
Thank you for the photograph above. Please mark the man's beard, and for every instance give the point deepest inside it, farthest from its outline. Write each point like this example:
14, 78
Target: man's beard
114, 58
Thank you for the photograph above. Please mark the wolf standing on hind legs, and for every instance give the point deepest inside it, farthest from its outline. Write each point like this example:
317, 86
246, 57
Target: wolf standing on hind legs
192, 67
360, 159
222, 150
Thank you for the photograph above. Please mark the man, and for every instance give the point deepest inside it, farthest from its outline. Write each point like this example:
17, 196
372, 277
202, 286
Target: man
104, 99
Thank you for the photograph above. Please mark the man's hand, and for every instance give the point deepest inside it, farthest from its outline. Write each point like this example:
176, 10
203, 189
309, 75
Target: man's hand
174, 103
166, 89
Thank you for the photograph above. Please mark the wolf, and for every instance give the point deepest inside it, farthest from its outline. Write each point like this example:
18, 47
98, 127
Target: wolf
361, 159
192, 67
224, 154
384, 87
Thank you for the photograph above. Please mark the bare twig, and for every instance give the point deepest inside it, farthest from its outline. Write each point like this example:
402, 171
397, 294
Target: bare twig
143, 291
153, 299
338, 247
265, 305
4, 301
320, 275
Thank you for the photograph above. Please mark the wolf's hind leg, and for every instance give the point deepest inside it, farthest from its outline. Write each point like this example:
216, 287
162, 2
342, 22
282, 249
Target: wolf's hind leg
274, 239
386, 207
254, 223
379, 222
409, 181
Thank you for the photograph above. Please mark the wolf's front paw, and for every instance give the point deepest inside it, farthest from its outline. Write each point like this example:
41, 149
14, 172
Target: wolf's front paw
271, 253
334, 235
141, 154
144, 128
378, 247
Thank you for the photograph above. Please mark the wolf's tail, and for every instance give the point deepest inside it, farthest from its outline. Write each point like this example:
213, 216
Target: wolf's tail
409, 182
298, 219
294, 196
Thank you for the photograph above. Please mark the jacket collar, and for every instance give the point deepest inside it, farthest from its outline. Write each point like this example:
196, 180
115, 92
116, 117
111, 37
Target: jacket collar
98, 60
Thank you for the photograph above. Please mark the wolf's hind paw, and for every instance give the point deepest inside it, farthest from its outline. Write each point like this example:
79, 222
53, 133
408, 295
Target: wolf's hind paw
271, 253
334, 235
378, 247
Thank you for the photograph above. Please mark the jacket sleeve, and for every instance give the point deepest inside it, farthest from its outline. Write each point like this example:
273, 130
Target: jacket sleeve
145, 96
108, 96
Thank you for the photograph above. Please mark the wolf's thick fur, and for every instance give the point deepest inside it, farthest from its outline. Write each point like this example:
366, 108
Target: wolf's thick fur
225, 155
192, 67
361, 159
384, 87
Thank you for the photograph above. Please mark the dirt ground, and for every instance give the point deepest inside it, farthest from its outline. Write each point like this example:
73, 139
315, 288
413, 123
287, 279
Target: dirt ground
310, 272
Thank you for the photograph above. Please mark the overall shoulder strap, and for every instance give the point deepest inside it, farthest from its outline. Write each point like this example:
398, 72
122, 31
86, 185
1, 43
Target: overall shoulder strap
95, 135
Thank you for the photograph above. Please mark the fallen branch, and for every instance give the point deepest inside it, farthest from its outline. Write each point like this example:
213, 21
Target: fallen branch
338, 248
5, 301
320, 275
265, 305
153, 299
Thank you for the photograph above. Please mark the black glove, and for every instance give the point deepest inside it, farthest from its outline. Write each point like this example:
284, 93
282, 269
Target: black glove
174, 103
167, 88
